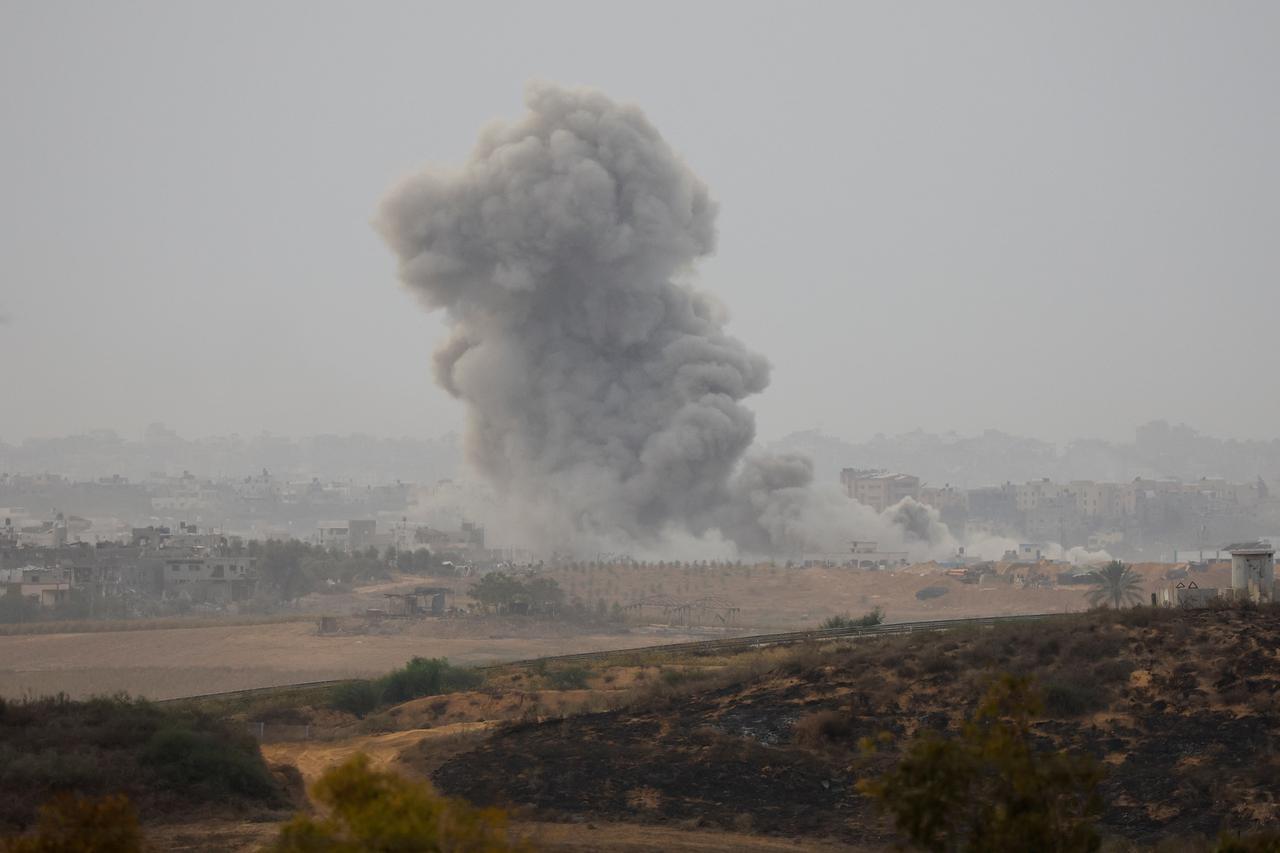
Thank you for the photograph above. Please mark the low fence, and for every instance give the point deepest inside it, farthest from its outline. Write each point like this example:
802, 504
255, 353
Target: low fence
285, 732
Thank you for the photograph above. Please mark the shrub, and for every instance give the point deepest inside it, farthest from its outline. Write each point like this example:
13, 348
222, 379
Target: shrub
71, 824
1112, 671
356, 697
155, 755
187, 758
1068, 697
425, 677
873, 617
936, 663
821, 728
989, 788
569, 678
372, 810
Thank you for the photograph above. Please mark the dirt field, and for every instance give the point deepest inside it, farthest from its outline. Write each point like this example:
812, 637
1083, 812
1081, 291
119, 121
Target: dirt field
777, 598
167, 663
170, 663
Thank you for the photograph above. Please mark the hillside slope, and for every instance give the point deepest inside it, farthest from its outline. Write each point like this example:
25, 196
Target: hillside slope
1181, 707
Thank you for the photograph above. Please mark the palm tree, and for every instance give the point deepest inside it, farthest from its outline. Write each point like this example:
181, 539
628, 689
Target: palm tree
1115, 584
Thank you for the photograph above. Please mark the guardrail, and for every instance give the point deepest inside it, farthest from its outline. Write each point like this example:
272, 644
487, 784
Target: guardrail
726, 644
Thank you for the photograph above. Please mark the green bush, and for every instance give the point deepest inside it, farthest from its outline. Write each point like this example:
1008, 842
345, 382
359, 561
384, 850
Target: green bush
357, 697
187, 758
425, 677
153, 754
419, 677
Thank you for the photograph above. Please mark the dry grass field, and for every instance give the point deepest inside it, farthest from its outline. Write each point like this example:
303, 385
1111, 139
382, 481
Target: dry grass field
163, 661
175, 662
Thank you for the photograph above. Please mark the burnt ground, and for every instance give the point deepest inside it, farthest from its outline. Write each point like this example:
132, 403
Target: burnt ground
1181, 708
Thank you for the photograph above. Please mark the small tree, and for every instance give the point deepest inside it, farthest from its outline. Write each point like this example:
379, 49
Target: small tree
1116, 584
370, 811
988, 789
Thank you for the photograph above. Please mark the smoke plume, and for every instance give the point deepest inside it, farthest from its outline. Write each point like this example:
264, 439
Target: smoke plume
604, 396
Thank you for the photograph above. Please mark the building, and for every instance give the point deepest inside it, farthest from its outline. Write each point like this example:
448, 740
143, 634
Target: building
1030, 496
334, 535
951, 503
210, 577
1097, 500
1253, 571
46, 587
361, 534
350, 537
994, 505
879, 489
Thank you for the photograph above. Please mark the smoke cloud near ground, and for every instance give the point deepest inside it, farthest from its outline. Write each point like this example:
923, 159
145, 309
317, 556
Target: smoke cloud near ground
604, 396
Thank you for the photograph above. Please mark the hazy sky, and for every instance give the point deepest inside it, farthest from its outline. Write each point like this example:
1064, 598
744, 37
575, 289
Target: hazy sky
1057, 220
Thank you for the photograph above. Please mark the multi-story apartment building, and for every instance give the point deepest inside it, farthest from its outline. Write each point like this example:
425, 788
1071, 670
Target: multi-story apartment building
878, 489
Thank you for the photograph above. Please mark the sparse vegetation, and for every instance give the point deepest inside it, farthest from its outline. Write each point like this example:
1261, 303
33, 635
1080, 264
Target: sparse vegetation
873, 617
569, 677
768, 733
989, 789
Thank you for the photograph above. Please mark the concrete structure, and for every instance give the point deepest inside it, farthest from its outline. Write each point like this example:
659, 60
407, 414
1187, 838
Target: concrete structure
334, 535
210, 576
1030, 496
1187, 595
878, 489
361, 534
1253, 571
46, 587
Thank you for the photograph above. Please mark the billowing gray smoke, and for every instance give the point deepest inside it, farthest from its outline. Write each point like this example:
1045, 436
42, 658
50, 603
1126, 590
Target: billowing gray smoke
603, 394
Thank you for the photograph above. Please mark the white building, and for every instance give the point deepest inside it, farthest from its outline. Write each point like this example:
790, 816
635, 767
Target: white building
1253, 571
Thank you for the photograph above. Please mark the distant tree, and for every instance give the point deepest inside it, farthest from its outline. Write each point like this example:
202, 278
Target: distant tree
74, 824
1116, 584
379, 812
496, 590
16, 607
544, 595
389, 555
989, 789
